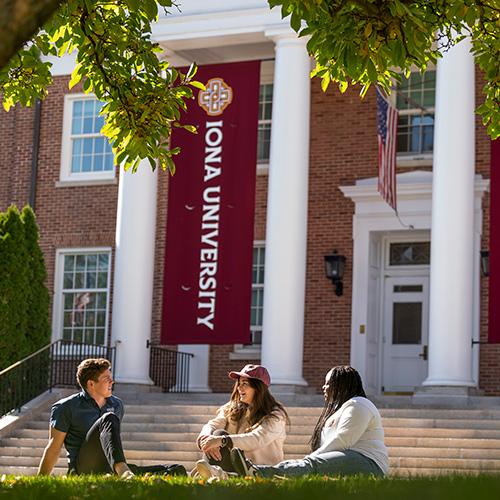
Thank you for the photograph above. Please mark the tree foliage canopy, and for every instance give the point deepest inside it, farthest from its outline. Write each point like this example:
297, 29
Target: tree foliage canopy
353, 41
24, 298
118, 62
376, 41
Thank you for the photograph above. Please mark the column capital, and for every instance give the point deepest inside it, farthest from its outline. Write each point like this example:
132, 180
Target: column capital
284, 35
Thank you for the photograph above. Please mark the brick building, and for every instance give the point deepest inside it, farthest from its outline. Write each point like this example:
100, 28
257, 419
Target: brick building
103, 234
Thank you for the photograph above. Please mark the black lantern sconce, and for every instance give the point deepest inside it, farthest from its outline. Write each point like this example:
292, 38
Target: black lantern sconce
485, 262
334, 270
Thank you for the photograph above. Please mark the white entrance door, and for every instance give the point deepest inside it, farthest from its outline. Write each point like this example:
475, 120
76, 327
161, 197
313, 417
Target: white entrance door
405, 333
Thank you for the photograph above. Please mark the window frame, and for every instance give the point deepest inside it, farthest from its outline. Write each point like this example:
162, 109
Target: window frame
413, 159
418, 237
58, 305
250, 351
66, 175
266, 78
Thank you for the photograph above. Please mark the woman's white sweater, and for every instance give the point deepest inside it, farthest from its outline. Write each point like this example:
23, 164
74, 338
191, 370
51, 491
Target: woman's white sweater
356, 426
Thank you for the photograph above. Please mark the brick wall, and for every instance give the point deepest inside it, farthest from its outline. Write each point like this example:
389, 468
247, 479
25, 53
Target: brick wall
343, 149
76, 216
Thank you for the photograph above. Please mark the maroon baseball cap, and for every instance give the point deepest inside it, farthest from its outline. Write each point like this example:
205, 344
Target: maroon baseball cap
253, 371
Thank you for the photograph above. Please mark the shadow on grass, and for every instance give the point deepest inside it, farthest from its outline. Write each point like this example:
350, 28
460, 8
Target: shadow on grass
311, 488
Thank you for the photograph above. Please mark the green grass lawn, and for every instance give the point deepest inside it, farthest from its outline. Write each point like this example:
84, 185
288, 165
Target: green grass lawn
320, 488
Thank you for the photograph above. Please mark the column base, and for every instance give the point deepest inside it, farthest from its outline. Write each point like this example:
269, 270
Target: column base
444, 395
289, 389
133, 380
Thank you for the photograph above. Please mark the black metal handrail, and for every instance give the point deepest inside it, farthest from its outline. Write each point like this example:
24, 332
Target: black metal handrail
52, 366
169, 369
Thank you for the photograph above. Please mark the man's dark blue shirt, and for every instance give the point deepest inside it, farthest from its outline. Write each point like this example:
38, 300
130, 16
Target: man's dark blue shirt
76, 414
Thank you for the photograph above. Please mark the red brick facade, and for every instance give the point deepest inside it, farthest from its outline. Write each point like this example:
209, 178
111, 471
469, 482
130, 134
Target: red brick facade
343, 149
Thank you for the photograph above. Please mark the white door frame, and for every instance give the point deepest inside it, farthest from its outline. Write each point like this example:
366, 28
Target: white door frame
411, 353
386, 271
373, 216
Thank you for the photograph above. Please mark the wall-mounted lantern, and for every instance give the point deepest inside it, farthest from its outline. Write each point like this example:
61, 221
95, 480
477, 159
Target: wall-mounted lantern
334, 270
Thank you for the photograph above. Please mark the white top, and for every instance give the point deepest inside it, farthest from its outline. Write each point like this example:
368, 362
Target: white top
262, 442
356, 426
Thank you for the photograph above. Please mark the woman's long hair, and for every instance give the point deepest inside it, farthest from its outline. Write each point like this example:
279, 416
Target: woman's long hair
264, 405
344, 384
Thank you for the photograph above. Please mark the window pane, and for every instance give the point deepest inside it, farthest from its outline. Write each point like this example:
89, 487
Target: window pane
103, 261
99, 145
98, 163
416, 98
410, 254
91, 153
91, 262
68, 280
407, 323
99, 336
91, 280
407, 288
85, 310
89, 336
264, 126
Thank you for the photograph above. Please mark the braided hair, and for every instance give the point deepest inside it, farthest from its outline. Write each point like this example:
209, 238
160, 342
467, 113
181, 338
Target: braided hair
344, 383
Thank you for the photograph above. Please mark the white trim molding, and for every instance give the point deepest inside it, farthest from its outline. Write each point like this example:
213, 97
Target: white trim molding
67, 177
373, 218
58, 306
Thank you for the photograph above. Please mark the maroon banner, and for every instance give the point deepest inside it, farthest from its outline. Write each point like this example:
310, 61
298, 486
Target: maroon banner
494, 273
210, 219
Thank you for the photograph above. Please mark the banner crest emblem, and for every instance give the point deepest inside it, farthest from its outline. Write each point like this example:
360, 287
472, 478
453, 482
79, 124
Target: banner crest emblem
216, 98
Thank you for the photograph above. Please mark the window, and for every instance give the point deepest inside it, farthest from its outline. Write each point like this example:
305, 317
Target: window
415, 102
257, 306
414, 253
252, 350
82, 304
265, 115
264, 131
86, 154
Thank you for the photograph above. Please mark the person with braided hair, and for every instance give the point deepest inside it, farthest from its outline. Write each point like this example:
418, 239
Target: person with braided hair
348, 438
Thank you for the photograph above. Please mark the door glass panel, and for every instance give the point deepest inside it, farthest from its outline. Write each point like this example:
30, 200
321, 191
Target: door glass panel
415, 253
407, 323
407, 288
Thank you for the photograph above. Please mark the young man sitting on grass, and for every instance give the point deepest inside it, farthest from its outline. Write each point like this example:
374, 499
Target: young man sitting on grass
88, 424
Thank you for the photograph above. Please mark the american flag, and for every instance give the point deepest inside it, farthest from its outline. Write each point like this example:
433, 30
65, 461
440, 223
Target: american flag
387, 124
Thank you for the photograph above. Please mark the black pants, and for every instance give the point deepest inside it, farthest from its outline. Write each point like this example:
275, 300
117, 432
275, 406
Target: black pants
103, 448
225, 462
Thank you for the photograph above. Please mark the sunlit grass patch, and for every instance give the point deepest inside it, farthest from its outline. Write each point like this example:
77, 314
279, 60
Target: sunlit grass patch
311, 488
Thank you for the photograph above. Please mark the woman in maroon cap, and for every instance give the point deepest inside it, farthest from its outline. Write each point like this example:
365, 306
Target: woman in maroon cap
252, 421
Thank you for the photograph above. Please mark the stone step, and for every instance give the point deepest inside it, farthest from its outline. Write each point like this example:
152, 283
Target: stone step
17, 470
436, 442
428, 452
300, 435
441, 423
299, 425
171, 451
441, 433
446, 463
415, 472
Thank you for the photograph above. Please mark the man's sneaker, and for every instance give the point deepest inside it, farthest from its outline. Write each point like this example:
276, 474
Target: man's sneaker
207, 471
242, 465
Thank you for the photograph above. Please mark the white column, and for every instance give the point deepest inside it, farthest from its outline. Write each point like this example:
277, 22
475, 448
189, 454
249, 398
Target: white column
134, 269
286, 231
452, 232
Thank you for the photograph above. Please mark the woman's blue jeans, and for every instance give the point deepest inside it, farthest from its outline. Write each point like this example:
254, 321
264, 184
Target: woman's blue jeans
333, 463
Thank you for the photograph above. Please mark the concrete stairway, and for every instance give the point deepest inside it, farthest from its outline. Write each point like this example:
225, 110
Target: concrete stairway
162, 428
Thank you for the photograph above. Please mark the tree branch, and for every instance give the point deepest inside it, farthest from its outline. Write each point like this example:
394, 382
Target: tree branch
20, 20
